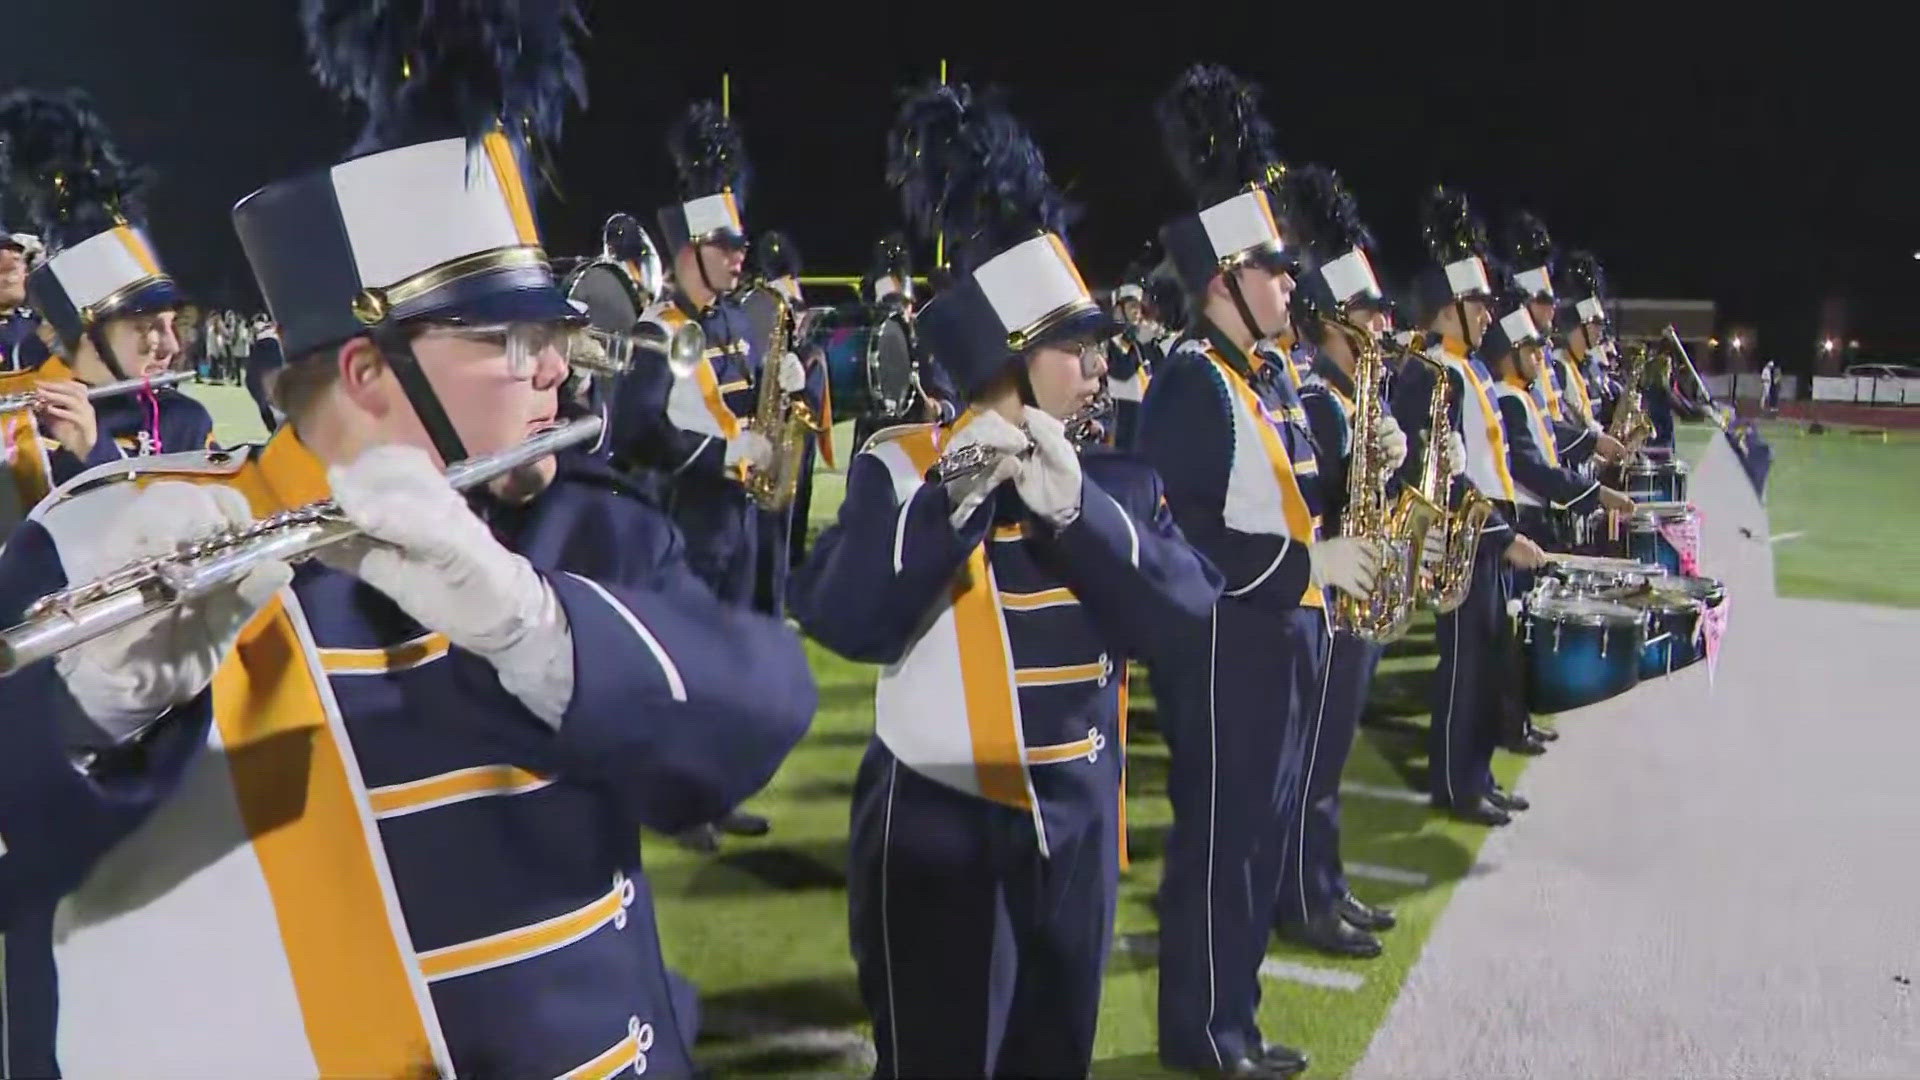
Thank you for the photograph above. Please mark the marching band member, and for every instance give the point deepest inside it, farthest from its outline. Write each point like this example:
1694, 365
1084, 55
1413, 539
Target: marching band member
1543, 479
1131, 355
1560, 390
385, 807
1582, 318
888, 287
1237, 704
109, 303
20, 346
1453, 292
1004, 602
1317, 908
780, 266
700, 438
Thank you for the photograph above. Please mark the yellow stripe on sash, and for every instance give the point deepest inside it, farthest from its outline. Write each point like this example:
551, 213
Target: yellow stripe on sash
1293, 503
1044, 599
1496, 435
993, 711
26, 459
512, 946
407, 654
710, 392
397, 800
1552, 393
1577, 387
506, 170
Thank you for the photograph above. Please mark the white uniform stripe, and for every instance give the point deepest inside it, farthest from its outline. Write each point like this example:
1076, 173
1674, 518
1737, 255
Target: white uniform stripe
675, 684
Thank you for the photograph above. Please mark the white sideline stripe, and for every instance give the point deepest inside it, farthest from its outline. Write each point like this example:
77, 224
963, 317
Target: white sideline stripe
1378, 791
760, 1035
1777, 537
1325, 978
1387, 874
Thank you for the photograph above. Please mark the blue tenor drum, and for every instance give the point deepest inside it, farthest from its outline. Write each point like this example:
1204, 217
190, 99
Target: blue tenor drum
1579, 650
1658, 481
1643, 540
1675, 606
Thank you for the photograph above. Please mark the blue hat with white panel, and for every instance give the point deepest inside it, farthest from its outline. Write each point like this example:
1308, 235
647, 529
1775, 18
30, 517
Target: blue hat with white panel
83, 196
1582, 292
710, 159
1456, 242
1335, 241
1528, 254
967, 171
1222, 149
432, 218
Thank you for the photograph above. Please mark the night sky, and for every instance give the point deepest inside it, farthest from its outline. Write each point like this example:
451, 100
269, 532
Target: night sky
1766, 167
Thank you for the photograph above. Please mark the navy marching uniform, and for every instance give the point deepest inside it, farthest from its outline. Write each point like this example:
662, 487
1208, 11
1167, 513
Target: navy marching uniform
1131, 356
348, 828
20, 346
691, 428
1236, 705
1466, 690
1316, 907
140, 424
984, 848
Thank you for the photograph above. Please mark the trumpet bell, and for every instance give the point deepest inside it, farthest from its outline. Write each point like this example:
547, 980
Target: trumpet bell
683, 347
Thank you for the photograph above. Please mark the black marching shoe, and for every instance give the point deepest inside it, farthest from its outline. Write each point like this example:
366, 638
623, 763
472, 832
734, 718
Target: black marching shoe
1546, 733
1526, 746
1327, 932
1275, 1062
1480, 812
741, 823
1284, 1058
1508, 801
1364, 915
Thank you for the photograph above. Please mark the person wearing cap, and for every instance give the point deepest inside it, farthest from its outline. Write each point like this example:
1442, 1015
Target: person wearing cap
780, 267
1237, 704
702, 441
888, 288
1453, 293
1003, 601
20, 346
386, 807
1529, 257
264, 363
1335, 304
1131, 355
1581, 317
108, 302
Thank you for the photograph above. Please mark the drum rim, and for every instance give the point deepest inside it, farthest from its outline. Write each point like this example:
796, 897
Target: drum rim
1619, 615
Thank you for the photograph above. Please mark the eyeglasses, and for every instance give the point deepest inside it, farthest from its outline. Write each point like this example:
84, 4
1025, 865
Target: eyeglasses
522, 342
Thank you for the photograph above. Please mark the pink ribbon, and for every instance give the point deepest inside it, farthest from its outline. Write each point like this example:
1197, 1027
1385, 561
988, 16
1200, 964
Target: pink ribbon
1684, 535
151, 399
1712, 624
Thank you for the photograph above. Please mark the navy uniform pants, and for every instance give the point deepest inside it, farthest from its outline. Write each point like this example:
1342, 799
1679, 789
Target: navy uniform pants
1237, 714
1314, 879
28, 997
722, 529
977, 955
1126, 425
1476, 664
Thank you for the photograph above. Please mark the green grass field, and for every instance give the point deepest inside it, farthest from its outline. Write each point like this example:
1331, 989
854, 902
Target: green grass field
761, 927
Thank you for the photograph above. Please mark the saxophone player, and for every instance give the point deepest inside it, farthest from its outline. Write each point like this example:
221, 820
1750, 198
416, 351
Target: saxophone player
384, 807
1560, 391
1237, 704
691, 427
1453, 292
1004, 578
1582, 317
1317, 908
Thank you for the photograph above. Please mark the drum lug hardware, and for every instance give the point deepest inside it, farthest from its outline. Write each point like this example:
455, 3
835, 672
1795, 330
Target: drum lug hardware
1556, 636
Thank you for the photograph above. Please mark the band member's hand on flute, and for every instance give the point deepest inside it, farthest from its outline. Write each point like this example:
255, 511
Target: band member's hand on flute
125, 679
1007, 443
69, 416
1050, 483
427, 551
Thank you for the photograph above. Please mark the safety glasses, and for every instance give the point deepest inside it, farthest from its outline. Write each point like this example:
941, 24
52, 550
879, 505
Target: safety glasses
523, 343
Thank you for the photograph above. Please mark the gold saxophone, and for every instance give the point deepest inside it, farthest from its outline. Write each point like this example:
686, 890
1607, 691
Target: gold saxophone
785, 419
1631, 425
1445, 585
1398, 529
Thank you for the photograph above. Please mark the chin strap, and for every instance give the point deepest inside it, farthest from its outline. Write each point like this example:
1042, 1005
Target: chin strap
99, 338
392, 342
1240, 304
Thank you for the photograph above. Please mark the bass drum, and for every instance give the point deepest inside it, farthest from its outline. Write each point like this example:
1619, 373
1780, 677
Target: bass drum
871, 368
1579, 650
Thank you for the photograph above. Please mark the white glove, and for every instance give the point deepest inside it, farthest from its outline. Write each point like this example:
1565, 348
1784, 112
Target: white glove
750, 447
1346, 563
1392, 442
991, 430
1433, 549
424, 548
1455, 454
793, 375
1050, 483
124, 680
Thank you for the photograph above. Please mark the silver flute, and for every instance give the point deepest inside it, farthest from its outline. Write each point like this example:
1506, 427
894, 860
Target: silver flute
62, 620
27, 399
1086, 425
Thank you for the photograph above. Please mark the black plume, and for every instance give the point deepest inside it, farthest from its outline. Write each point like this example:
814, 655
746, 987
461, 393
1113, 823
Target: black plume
1581, 276
967, 170
1214, 134
891, 256
1449, 226
68, 178
428, 69
1528, 244
709, 155
1321, 207
778, 257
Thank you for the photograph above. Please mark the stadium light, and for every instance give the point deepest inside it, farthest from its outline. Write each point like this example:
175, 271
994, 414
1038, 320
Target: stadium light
1736, 341
1853, 344
1827, 345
